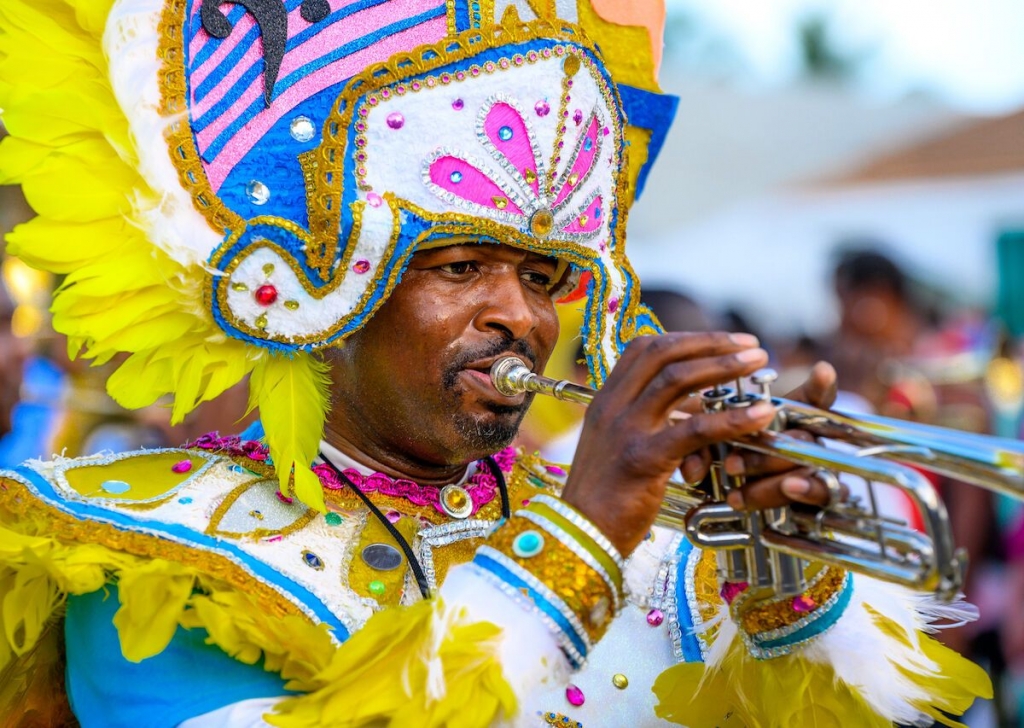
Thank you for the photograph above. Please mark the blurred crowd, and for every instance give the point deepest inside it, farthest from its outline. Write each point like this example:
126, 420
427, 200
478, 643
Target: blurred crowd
900, 349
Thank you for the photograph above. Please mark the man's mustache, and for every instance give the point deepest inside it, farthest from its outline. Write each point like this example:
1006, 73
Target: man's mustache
519, 347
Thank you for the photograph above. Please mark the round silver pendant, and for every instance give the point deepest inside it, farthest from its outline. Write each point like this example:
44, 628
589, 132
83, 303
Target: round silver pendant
382, 557
455, 501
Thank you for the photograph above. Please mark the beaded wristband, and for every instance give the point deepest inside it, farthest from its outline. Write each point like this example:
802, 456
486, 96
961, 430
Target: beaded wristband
548, 565
581, 522
775, 626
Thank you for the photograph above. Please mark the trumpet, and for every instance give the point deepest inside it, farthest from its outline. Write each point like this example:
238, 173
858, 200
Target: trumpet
770, 548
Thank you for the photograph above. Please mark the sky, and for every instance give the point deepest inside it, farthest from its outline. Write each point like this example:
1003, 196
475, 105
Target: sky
969, 53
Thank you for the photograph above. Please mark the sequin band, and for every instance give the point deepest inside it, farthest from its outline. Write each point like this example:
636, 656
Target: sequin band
581, 522
581, 588
788, 623
524, 589
577, 542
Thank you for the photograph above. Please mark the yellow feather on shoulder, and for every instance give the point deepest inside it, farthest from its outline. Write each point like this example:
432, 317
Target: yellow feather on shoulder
423, 665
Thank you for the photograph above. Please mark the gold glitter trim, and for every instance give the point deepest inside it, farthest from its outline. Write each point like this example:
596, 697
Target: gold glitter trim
183, 152
707, 592
583, 590
18, 501
761, 616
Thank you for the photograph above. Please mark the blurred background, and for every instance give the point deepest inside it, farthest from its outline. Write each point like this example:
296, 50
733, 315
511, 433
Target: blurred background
844, 178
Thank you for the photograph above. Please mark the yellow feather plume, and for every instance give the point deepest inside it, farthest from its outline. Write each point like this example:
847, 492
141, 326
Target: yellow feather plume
291, 394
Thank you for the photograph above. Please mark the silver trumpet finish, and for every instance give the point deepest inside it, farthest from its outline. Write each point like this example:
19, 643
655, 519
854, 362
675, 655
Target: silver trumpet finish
769, 548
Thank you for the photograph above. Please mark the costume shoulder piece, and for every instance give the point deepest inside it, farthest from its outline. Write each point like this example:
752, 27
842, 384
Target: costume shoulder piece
243, 183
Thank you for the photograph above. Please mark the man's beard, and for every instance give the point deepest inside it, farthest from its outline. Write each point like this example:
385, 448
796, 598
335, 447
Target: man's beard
495, 432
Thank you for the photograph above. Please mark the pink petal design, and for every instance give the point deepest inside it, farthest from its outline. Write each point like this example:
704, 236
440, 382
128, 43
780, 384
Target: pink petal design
517, 147
583, 161
592, 213
473, 185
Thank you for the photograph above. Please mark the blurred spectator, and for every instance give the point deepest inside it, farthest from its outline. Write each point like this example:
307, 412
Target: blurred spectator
12, 361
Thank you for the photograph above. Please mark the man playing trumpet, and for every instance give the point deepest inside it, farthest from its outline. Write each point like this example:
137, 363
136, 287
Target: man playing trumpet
363, 212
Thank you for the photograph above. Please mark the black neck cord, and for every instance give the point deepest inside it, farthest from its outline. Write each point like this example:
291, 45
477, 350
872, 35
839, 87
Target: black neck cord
414, 563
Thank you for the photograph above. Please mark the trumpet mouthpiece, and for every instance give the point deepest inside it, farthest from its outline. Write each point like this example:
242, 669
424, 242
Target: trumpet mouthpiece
506, 375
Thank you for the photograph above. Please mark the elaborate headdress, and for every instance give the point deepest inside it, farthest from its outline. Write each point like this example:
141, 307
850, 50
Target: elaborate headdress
232, 184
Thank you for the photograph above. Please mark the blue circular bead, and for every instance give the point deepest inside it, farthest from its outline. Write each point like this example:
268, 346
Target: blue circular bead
115, 487
455, 176
588, 144
185, 501
527, 544
505, 133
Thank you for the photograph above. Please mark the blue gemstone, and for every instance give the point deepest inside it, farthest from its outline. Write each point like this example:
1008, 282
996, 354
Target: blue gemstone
455, 176
116, 487
185, 501
505, 133
588, 144
527, 544
597, 213
312, 560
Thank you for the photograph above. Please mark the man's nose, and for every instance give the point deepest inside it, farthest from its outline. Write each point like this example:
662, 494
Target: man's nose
507, 308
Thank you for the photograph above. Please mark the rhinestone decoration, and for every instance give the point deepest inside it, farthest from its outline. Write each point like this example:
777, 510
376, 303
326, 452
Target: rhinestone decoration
258, 515
655, 617
500, 202
377, 587
361, 266
455, 176
393, 516
505, 133
455, 501
239, 287
382, 557
542, 108
574, 178
542, 223
571, 65
528, 544
396, 120
312, 560
333, 519
261, 321
268, 269
373, 199
291, 305
588, 144
266, 295
530, 176
562, 721
115, 487
302, 129
574, 695
577, 117
182, 466
257, 192
620, 681
185, 501
803, 603
613, 305
458, 104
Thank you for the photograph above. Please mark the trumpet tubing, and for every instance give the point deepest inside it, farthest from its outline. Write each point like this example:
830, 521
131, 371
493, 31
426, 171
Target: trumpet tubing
769, 548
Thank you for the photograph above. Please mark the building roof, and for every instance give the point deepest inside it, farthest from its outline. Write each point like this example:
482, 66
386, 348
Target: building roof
978, 147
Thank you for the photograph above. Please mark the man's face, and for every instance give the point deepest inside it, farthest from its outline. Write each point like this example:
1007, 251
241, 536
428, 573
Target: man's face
415, 379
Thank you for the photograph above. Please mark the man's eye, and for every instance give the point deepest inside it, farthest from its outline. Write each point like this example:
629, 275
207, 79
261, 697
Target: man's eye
537, 278
460, 268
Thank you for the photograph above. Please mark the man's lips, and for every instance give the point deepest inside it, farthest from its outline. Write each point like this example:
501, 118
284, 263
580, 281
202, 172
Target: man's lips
479, 372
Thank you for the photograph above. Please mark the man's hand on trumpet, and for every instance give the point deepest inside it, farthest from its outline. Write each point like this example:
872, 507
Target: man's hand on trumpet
634, 438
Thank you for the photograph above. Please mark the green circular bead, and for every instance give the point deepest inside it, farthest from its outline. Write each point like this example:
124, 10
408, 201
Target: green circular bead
333, 519
377, 587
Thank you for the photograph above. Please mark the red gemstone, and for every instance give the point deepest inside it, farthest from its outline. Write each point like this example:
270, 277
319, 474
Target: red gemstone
574, 695
266, 295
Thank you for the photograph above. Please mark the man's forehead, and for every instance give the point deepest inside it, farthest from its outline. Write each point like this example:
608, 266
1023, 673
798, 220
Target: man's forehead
484, 245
